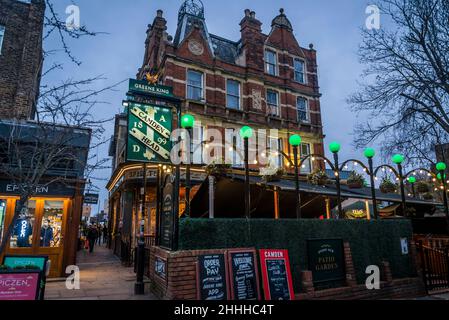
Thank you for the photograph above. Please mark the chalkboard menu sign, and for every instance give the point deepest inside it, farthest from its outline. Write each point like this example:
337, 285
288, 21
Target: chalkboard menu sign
244, 275
167, 212
326, 261
212, 277
276, 275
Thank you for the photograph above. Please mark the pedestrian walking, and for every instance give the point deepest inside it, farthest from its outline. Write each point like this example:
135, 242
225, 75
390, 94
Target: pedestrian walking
92, 235
105, 234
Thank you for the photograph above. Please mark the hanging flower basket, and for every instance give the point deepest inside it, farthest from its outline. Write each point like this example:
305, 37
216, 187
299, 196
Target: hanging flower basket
388, 187
277, 176
318, 177
422, 187
355, 181
217, 169
427, 196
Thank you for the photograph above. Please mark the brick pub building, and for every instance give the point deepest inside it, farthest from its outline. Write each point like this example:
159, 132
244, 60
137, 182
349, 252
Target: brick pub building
59, 205
267, 81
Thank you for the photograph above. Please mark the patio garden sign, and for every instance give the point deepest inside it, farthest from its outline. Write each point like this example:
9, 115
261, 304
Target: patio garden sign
326, 261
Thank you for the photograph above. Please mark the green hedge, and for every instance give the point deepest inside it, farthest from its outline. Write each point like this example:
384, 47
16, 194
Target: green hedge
371, 241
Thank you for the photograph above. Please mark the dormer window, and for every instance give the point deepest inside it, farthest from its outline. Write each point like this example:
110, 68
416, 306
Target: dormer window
300, 71
194, 85
271, 62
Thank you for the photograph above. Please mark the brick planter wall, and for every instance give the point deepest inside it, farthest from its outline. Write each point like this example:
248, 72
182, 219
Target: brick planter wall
181, 280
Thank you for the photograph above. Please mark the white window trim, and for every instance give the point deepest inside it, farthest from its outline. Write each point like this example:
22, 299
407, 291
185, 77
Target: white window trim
276, 65
278, 103
3, 32
307, 110
304, 70
309, 160
203, 96
240, 93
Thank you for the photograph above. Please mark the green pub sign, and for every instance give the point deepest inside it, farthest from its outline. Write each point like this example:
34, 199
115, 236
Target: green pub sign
149, 130
143, 87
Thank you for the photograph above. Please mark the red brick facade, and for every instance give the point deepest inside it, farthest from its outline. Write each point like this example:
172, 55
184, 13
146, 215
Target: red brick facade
220, 60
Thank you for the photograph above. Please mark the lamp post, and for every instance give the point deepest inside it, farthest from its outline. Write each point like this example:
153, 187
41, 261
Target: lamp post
335, 147
412, 181
295, 142
441, 168
187, 122
398, 159
246, 133
369, 154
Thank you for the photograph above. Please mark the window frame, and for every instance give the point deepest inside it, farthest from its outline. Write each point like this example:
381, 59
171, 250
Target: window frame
303, 70
267, 63
188, 85
2, 37
307, 111
309, 161
239, 107
278, 107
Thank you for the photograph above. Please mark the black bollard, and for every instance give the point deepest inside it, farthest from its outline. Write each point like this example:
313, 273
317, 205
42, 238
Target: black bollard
139, 287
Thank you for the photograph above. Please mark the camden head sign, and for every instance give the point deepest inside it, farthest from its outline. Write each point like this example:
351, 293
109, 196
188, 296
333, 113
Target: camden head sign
149, 130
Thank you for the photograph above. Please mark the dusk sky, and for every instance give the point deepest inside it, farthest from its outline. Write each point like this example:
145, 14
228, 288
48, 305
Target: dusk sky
332, 26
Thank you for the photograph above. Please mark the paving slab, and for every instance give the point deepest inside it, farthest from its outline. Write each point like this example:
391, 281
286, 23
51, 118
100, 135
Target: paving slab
102, 277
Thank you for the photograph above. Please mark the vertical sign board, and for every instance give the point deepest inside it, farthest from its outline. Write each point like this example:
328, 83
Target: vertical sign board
167, 213
212, 277
149, 131
160, 268
20, 286
40, 262
276, 275
326, 261
244, 274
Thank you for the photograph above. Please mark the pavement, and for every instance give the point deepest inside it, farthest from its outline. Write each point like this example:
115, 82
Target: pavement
102, 277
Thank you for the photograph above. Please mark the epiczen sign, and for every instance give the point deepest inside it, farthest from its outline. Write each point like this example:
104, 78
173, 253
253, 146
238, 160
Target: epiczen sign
19, 286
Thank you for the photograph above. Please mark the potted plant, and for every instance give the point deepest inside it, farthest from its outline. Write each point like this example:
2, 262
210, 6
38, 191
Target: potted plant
422, 187
387, 186
427, 196
217, 168
318, 177
355, 180
271, 173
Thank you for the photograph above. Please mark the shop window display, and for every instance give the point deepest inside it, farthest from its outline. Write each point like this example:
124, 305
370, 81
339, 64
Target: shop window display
23, 228
51, 228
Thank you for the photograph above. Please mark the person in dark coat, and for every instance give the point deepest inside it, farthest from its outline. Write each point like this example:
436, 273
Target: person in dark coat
92, 235
105, 234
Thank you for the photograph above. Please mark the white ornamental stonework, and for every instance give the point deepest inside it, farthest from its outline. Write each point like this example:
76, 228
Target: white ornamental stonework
257, 99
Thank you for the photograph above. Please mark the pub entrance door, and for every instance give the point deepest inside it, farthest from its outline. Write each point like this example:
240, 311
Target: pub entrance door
40, 230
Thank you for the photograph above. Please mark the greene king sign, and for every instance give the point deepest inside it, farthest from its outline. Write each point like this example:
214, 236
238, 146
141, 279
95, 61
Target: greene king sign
149, 130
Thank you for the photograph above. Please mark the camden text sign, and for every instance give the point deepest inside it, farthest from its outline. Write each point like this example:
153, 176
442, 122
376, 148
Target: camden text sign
326, 261
143, 87
149, 130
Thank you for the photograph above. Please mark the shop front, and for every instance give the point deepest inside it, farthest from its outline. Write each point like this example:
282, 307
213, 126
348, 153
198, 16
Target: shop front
48, 225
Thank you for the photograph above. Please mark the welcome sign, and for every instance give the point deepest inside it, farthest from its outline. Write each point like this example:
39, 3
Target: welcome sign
149, 130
